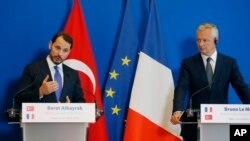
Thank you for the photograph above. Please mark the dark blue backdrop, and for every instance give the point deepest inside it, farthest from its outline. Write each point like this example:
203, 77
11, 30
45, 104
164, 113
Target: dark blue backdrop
27, 26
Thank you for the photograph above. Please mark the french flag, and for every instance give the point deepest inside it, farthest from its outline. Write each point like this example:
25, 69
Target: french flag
208, 109
151, 99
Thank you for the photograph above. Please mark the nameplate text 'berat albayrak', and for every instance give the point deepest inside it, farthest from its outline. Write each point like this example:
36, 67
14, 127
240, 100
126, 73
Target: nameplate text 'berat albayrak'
58, 112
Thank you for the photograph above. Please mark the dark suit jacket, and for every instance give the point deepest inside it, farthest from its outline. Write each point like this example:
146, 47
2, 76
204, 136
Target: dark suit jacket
193, 78
33, 77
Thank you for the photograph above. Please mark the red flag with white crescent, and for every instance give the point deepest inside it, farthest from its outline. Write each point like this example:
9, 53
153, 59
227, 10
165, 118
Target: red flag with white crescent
81, 58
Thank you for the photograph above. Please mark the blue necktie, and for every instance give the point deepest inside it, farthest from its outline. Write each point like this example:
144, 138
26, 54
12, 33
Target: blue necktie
209, 71
58, 78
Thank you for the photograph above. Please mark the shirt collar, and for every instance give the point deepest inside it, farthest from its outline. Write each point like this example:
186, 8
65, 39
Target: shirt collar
51, 64
213, 56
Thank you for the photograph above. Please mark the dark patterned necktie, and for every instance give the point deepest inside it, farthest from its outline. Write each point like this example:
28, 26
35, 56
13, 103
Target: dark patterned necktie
209, 71
58, 78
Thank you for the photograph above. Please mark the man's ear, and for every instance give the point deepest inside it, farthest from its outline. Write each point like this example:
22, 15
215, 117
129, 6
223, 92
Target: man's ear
215, 41
50, 44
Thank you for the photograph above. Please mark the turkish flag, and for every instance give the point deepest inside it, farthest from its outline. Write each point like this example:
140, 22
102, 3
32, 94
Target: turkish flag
81, 58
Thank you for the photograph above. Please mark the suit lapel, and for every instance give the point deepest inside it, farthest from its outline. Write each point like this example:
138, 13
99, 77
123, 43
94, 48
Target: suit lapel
44, 72
201, 69
218, 68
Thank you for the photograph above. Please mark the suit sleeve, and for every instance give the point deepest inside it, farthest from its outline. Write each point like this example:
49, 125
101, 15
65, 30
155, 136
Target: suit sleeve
238, 83
27, 91
181, 88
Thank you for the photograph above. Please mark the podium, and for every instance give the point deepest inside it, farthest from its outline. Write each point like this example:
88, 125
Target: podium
56, 121
217, 118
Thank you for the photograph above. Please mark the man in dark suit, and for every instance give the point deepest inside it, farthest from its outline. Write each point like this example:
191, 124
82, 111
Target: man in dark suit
206, 80
49, 80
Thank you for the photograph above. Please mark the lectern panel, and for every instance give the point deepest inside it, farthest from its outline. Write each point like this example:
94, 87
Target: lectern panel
54, 132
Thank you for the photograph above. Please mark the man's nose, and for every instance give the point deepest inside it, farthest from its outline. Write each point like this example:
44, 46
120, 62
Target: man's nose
60, 52
201, 43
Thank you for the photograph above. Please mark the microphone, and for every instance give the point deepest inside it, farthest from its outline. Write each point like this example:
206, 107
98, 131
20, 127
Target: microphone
99, 112
190, 111
12, 112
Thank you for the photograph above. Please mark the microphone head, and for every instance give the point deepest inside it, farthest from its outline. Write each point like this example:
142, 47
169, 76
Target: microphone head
190, 113
13, 115
99, 113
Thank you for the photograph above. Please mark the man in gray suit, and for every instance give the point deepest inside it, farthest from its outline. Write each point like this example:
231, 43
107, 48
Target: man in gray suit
205, 77
49, 80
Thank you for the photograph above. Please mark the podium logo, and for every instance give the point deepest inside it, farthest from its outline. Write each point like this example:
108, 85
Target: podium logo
208, 117
30, 108
208, 109
239, 132
30, 116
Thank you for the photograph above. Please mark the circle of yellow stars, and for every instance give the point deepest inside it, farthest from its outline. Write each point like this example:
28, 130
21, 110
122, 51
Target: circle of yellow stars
114, 75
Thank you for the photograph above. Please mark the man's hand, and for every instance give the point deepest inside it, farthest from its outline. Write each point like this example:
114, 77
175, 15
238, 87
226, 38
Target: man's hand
67, 99
175, 119
47, 87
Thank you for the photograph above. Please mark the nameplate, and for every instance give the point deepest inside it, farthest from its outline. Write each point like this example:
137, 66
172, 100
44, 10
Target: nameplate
58, 112
225, 113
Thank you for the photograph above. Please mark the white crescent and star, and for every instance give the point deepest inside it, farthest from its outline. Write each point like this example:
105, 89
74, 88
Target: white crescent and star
80, 66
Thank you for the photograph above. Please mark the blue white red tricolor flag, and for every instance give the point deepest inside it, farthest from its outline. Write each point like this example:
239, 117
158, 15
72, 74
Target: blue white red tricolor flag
151, 100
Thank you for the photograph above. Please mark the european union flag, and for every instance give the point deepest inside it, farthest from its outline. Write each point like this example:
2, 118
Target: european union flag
120, 78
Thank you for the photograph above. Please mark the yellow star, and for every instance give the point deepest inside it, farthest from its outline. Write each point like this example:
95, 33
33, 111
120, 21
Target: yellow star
110, 92
115, 110
125, 61
113, 74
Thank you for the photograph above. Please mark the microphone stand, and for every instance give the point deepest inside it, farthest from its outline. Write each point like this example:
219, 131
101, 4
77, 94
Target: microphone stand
99, 112
13, 113
190, 112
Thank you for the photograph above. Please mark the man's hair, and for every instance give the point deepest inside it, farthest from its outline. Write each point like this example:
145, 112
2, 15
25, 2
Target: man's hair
65, 36
215, 32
